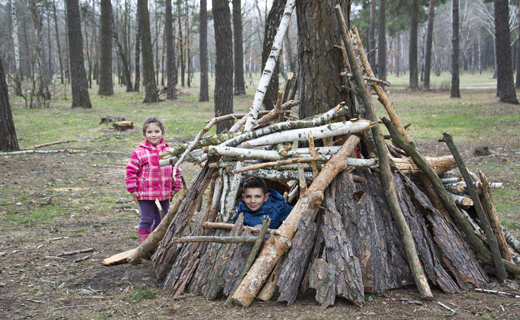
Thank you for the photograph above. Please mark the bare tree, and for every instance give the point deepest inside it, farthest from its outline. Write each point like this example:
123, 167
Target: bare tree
170, 51
203, 48
429, 43
240, 87
455, 93
8, 140
371, 35
80, 97
224, 63
414, 71
105, 40
381, 41
505, 83
146, 41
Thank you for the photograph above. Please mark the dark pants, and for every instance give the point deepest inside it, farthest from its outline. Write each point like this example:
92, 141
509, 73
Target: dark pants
150, 213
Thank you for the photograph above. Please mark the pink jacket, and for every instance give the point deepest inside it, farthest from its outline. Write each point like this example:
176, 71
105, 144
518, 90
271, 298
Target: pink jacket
147, 177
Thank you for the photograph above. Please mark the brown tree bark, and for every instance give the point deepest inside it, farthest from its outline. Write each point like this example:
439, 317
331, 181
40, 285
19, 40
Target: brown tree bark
429, 44
224, 64
381, 41
455, 81
170, 51
319, 63
412, 54
8, 139
147, 53
371, 35
505, 82
105, 49
203, 54
240, 87
80, 96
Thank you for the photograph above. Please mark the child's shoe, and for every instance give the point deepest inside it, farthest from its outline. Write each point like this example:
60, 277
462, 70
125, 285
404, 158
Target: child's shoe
143, 234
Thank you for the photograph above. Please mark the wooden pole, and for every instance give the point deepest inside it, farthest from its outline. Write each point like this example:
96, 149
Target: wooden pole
493, 217
276, 164
484, 222
386, 174
214, 239
229, 226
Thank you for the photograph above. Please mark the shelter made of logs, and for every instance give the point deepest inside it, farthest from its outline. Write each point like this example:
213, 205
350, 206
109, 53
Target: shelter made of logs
369, 215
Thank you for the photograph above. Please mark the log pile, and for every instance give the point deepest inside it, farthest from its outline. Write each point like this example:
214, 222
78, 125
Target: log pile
368, 216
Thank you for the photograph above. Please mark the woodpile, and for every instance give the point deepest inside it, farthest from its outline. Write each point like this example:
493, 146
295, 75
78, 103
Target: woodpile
368, 216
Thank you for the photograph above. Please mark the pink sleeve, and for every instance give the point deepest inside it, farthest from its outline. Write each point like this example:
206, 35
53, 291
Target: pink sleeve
177, 185
132, 170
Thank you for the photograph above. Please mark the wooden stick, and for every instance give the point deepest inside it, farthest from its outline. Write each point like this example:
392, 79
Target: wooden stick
386, 175
462, 200
250, 259
498, 292
235, 116
276, 164
45, 145
493, 217
159, 207
214, 239
229, 226
312, 151
383, 98
493, 244
74, 252
301, 181
512, 241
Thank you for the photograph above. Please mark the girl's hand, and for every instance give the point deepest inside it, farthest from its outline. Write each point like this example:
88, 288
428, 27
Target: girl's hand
134, 195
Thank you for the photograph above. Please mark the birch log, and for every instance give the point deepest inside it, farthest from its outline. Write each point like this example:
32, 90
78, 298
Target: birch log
329, 130
227, 204
306, 208
269, 66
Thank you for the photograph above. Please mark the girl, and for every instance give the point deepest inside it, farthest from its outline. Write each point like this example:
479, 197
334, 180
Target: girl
147, 181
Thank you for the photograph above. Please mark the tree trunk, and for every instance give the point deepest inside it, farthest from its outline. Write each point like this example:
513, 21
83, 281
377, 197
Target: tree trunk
455, 92
240, 87
180, 40
505, 82
224, 64
139, 30
429, 43
170, 53
517, 56
381, 41
414, 75
8, 140
79, 86
16, 49
121, 52
203, 55
146, 41
271, 26
371, 35
319, 63
105, 49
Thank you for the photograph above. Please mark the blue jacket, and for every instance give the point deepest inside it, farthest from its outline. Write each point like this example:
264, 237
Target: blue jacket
275, 207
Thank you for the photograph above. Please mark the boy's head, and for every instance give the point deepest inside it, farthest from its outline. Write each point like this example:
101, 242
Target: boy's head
255, 193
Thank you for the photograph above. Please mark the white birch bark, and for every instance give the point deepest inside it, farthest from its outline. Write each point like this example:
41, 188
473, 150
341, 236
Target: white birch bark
227, 204
319, 150
279, 175
329, 130
14, 35
194, 156
319, 120
269, 67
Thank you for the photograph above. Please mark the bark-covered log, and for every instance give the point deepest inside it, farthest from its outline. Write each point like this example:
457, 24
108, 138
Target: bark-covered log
217, 275
489, 205
237, 262
270, 285
322, 277
296, 261
348, 279
164, 254
454, 251
441, 165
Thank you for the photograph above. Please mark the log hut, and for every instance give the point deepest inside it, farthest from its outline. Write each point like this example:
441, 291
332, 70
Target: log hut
369, 215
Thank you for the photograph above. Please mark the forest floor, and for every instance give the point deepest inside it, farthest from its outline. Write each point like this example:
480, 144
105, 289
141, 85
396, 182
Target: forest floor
60, 202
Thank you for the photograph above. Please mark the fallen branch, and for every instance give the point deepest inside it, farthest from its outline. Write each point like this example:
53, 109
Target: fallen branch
501, 293
46, 144
446, 307
511, 240
275, 164
229, 226
82, 258
214, 239
75, 252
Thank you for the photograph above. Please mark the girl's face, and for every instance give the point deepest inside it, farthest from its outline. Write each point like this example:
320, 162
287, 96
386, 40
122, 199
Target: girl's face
153, 134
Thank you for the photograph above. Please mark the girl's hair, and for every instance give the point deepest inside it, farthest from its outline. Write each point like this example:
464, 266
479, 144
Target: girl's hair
153, 120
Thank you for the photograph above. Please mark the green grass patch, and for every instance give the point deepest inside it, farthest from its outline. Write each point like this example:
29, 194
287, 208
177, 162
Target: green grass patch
41, 214
140, 294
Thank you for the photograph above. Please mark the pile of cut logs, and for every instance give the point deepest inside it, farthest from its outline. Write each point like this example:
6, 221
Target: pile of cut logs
368, 216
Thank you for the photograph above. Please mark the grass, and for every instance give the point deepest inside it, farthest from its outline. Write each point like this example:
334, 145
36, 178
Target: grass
140, 294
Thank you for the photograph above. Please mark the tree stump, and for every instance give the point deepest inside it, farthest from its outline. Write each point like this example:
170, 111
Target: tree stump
123, 125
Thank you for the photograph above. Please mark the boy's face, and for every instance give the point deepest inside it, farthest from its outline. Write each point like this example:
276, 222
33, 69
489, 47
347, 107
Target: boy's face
254, 198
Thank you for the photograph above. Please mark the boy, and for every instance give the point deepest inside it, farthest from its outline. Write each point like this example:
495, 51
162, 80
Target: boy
259, 202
